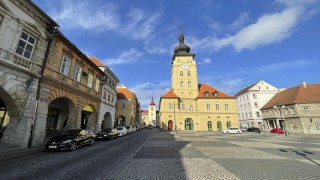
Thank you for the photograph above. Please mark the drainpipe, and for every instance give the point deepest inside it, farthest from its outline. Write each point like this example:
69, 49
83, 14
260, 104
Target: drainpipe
53, 32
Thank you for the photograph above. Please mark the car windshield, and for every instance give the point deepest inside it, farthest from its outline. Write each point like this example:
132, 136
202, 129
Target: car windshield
70, 132
128, 127
106, 130
119, 128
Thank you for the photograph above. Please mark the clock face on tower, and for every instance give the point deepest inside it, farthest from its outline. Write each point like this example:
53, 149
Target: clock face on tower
185, 66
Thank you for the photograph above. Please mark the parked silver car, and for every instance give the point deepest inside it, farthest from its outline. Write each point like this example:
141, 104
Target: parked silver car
232, 131
122, 130
129, 129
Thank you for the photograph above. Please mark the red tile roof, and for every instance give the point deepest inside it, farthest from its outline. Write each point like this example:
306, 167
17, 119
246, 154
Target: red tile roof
206, 88
124, 93
202, 89
96, 61
294, 95
144, 111
170, 94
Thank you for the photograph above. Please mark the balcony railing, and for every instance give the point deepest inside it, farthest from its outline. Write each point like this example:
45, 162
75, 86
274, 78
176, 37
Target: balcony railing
14, 59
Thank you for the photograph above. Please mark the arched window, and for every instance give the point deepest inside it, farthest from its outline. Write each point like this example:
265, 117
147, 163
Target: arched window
228, 124
209, 126
189, 84
188, 73
181, 84
181, 73
219, 126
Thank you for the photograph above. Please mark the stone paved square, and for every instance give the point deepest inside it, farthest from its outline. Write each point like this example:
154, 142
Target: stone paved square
201, 155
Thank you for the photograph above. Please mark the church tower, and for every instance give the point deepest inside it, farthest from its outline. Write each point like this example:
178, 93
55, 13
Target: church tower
190, 106
152, 113
184, 71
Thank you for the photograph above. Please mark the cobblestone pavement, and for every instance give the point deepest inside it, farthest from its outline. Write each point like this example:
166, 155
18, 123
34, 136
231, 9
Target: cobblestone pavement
207, 155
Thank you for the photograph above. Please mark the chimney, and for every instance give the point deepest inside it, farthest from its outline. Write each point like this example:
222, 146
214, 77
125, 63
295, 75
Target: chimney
304, 84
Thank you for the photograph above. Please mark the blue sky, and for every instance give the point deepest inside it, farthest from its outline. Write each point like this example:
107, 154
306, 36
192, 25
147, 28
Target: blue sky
236, 42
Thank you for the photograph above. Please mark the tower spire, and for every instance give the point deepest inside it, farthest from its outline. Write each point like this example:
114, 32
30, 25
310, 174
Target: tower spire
152, 102
182, 47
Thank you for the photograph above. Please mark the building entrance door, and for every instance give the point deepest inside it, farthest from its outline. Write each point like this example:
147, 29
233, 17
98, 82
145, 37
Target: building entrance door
170, 125
188, 124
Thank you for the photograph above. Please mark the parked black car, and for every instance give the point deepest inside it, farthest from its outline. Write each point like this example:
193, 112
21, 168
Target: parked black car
253, 129
70, 140
107, 133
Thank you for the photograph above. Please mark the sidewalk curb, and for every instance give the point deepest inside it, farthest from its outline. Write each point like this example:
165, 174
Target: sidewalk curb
20, 153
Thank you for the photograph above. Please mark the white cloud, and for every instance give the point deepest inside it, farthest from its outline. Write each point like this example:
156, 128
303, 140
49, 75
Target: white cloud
146, 91
126, 57
156, 50
140, 24
270, 68
101, 16
83, 15
234, 26
205, 61
268, 29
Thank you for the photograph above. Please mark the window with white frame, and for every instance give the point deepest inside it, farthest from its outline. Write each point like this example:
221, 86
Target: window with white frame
123, 105
65, 65
254, 96
256, 105
188, 73
90, 80
182, 106
170, 105
181, 73
258, 114
26, 45
96, 88
226, 106
181, 84
208, 106
191, 107
189, 84
77, 73
306, 110
217, 107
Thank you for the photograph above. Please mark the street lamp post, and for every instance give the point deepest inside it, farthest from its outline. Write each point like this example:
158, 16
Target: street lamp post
174, 117
286, 132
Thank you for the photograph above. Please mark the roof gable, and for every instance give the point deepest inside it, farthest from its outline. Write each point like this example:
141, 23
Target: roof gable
294, 95
96, 61
203, 88
170, 94
124, 93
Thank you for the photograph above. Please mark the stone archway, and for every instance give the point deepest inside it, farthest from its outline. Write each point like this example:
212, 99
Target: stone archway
107, 121
120, 121
58, 117
11, 121
87, 117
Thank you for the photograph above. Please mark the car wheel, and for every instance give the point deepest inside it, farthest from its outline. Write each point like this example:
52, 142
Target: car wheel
227, 132
91, 142
73, 146
238, 132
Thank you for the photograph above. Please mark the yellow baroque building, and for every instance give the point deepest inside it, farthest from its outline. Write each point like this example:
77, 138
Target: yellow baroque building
192, 106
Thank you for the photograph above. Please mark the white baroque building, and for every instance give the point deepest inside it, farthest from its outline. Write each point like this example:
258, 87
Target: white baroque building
249, 102
107, 110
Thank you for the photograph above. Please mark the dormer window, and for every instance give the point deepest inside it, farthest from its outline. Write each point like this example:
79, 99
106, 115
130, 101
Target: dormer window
206, 94
215, 94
